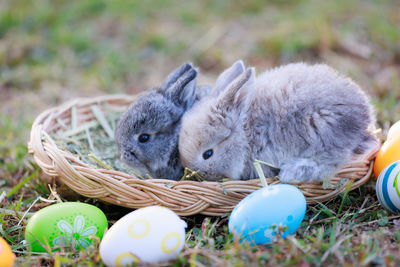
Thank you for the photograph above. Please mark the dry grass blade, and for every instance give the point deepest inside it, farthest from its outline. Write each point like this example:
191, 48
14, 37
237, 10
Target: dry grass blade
102, 120
335, 247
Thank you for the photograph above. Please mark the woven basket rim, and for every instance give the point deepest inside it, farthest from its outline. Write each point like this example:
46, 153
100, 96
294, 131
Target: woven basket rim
184, 197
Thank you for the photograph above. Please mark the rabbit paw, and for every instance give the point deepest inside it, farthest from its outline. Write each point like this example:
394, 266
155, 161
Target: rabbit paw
300, 170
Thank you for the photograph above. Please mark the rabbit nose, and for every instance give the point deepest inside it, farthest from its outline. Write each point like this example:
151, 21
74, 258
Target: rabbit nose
132, 153
128, 155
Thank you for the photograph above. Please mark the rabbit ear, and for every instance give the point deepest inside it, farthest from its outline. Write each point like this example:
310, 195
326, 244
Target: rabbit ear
180, 85
227, 77
175, 74
237, 95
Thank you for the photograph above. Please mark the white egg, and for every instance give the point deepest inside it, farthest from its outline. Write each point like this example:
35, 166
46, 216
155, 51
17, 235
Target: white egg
147, 235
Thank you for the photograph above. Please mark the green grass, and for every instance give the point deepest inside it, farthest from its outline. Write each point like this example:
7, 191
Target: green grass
53, 51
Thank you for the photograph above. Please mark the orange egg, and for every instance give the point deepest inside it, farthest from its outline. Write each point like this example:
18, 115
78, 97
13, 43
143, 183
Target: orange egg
7, 257
394, 131
389, 153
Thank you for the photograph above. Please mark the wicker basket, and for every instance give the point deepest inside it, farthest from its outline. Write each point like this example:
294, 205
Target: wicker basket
183, 197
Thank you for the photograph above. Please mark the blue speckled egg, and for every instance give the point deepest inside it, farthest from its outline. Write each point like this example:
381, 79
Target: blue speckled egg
258, 216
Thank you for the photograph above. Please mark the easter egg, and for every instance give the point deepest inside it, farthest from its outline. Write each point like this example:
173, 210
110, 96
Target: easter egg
388, 187
394, 131
7, 257
146, 235
258, 216
388, 153
68, 224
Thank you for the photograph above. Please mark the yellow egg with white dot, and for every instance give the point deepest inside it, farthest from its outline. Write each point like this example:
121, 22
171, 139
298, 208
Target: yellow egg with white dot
148, 235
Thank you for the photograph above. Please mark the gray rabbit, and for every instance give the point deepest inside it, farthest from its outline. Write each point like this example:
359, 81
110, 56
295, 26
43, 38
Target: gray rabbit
147, 133
307, 120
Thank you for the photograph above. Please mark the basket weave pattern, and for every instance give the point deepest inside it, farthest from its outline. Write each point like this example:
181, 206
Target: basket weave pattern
183, 197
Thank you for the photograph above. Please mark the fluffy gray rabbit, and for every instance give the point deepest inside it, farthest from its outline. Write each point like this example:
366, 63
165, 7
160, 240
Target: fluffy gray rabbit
147, 133
307, 120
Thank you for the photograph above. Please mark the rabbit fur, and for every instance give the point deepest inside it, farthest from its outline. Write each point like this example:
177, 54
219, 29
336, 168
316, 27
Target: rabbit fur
307, 120
156, 117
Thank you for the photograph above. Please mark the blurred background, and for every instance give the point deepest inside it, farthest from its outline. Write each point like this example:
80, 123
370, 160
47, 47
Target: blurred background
54, 51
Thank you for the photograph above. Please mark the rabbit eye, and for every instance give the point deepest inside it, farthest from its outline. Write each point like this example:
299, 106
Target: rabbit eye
143, 138
208, 154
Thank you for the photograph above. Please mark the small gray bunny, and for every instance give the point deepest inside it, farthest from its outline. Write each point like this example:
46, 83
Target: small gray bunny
307, 120
147, 133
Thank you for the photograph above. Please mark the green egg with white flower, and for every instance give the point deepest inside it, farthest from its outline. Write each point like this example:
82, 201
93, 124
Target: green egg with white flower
70, 224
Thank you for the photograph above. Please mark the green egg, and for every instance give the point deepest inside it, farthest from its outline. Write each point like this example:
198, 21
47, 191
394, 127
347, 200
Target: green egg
68, 224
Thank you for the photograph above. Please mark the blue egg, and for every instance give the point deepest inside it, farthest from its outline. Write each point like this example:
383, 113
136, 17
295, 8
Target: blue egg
258, 216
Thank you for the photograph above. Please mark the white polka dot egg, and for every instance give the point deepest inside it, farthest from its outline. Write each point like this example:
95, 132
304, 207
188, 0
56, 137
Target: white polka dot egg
148, 235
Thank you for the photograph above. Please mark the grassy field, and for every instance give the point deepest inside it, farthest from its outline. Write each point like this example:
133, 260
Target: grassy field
54, 51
